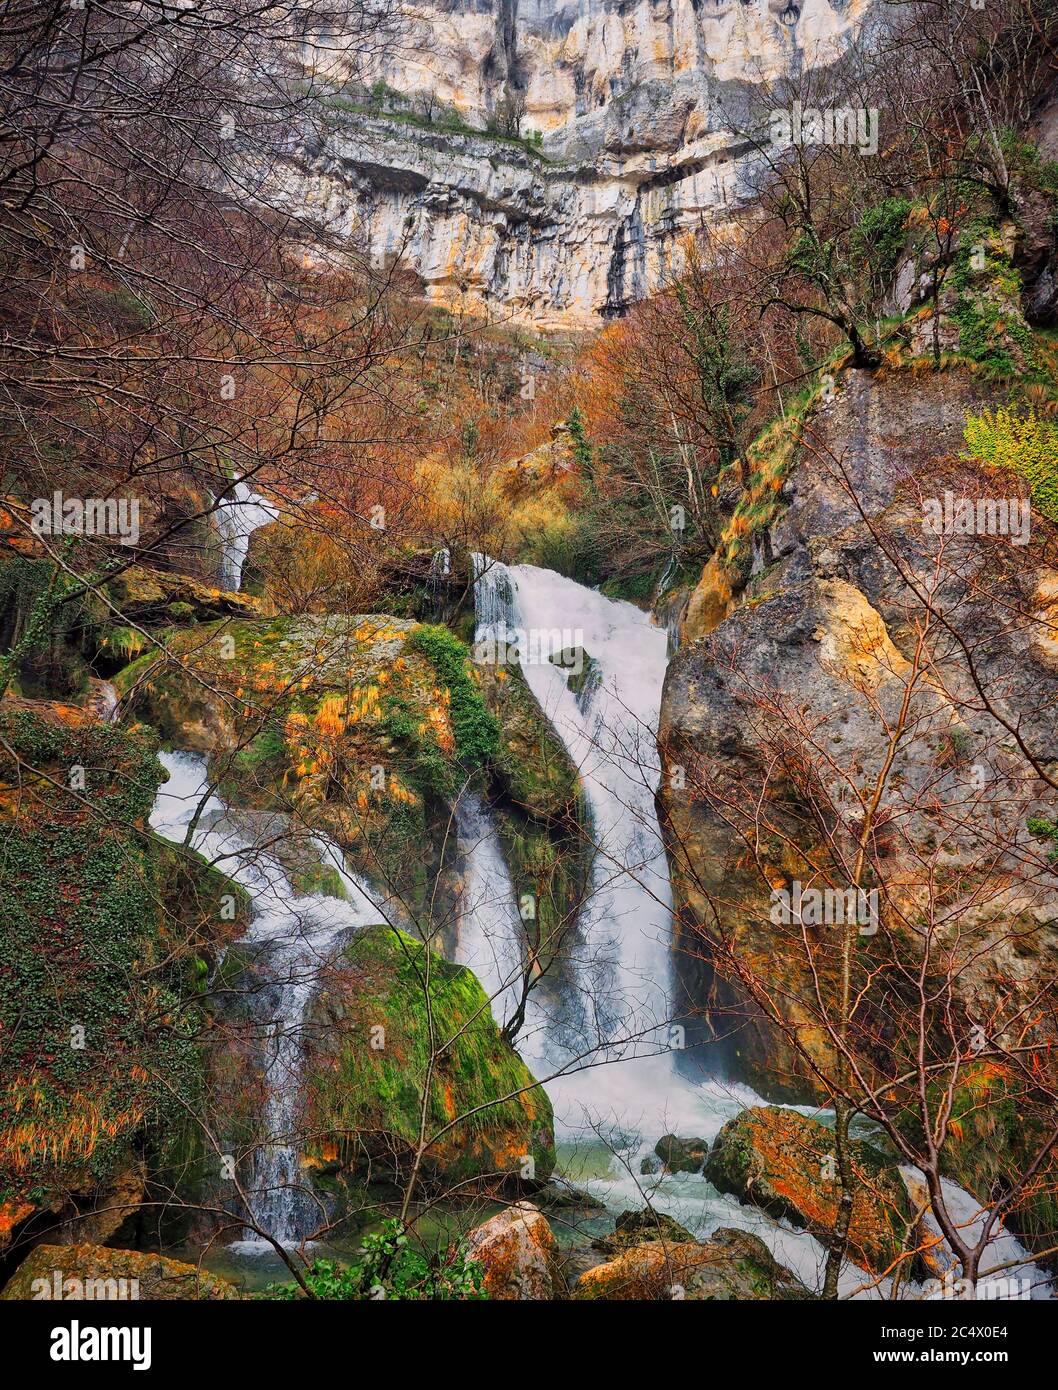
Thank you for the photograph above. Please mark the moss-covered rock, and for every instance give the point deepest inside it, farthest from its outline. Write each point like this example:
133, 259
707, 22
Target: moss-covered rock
366, 727
103, 932
633, 1228
92, 1273
730, 1265
380, 1017
56, 664
784, 1163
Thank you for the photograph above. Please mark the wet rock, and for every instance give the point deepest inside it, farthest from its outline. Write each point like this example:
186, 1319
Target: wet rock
635, 1228
682, 1155
730, 1265
518, 1251
92, 1273
784, 1163
364, 1102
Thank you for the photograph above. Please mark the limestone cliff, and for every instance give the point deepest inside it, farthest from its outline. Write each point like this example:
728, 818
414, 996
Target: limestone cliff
543, 160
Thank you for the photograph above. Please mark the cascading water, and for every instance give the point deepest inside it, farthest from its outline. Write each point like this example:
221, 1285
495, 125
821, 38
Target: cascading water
622, 968
490, 929
103, 700
297, 937
238, 516
622, 963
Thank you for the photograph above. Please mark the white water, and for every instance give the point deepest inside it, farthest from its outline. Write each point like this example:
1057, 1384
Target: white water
238, 516
103, 700
490, 929
622, 964
302, 933
612, 1031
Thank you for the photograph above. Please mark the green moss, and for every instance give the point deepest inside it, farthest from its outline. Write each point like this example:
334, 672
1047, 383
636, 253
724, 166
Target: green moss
54, 665
103, 932
987, 304
477, 732
998, 1126
366, 1100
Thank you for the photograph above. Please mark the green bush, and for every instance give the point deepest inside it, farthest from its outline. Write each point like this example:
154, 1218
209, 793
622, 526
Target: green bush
390, 1267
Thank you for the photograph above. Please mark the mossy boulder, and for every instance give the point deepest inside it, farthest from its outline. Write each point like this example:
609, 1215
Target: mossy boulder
161, 598
730, 1265
783, 1162
91, 1273
367, 1068
366, 727
103, 931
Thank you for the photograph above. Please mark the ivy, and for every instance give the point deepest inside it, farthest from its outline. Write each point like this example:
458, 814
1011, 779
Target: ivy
476, 731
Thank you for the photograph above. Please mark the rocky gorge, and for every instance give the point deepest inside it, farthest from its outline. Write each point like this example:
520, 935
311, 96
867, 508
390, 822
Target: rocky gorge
585, 841
545, 163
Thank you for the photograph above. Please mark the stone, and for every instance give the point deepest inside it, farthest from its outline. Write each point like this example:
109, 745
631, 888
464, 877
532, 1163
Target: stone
89, 1273
730, 1265
634, 1228
783, 1162
682, 1155
520, 1256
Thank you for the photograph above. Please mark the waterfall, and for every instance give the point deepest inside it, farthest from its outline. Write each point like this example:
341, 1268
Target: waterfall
489, 928
623, 958
103, 700
619, 1011
238, 517
298, 935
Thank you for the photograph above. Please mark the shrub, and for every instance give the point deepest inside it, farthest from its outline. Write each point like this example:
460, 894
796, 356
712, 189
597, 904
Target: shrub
477, 732
1020, 441
389, 1266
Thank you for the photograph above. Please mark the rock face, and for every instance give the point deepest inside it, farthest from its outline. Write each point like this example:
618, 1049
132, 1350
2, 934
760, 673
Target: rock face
518, 1251
823, 639
91, 1273
730, 1265
543, 158
779, 1161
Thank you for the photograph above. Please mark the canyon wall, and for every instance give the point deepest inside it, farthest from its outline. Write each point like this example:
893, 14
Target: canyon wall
542, 160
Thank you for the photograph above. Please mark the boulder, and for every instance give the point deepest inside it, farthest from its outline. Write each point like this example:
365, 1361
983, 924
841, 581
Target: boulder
682, 1155
90, 1273
730, 1265
634, 1228
104, 926
783, 1162
520, 1257
367, 1044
